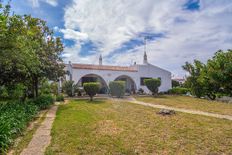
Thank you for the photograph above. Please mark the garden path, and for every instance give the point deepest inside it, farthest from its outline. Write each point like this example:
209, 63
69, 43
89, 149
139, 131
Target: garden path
133, 100
41, 139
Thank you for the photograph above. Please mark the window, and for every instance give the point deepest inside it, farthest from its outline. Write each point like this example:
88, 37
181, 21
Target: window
142, 80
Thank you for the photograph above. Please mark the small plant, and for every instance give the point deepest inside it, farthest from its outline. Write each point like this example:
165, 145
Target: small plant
91, 88
59, 98
117, 88
153, 85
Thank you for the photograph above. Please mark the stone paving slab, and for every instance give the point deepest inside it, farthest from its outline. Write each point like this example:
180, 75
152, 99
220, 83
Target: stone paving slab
41, 139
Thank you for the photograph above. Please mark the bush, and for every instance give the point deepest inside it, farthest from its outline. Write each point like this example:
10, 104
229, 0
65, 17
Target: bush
14, 117
44, 101
178, 91
59, 98
69, 88
117, 88
91, 88
153, 85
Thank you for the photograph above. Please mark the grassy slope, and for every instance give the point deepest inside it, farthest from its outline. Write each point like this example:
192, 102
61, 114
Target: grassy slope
190, 103
104, 127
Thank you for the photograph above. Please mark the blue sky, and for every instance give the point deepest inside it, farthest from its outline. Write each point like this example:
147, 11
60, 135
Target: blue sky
176, 30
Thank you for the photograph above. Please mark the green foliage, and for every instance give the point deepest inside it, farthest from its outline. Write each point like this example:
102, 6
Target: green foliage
194, 82
69, 88
14, 117
29, 52
153, 85
178, 91
175, 83
91, 88
54, 88
117, 88
44, 101
45, 88
59, 98
211, 78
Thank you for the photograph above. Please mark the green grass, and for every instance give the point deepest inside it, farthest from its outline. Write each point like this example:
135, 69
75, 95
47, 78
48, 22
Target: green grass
110, 127
190, 103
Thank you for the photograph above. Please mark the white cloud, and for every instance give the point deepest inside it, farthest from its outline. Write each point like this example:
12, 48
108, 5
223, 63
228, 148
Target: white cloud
36, 3
74, 35
109, 24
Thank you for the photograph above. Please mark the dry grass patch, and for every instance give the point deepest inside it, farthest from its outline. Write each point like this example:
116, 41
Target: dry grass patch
190, 103
116, 127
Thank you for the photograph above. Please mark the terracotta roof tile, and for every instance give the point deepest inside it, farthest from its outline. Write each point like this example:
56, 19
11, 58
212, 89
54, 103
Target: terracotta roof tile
105, 67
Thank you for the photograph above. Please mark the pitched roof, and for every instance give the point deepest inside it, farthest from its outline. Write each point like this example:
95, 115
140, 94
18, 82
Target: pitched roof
105, 67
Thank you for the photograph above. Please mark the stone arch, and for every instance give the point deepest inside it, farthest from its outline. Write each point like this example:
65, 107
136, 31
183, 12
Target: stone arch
130, 83
94, 78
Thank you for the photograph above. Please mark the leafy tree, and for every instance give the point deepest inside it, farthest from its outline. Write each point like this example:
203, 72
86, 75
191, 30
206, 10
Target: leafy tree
29, 53
219, 72
211, 78
153, 85
117, 88
194, 81
91, 88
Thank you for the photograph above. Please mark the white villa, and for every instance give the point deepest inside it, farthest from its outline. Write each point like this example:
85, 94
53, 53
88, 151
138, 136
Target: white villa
133, 75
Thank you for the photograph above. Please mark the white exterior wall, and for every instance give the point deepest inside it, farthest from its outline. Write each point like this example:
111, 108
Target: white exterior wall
155, 72
143, 71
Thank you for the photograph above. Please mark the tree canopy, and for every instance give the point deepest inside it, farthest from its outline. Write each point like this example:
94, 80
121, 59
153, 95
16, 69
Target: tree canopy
213, 78
29, 51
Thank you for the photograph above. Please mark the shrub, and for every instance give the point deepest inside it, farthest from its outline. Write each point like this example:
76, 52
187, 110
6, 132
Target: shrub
59, 98
153, 85
69, 88
117, 88
44, 101
178, 91
91, 88
14, 117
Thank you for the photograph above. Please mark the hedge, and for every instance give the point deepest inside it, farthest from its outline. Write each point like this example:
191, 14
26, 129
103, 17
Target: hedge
117, 88
178, 91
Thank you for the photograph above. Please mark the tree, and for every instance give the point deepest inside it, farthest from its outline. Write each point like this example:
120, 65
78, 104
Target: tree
117, 88
29, 53
153, 85
211, 78
194, 81
91, 88
219, 72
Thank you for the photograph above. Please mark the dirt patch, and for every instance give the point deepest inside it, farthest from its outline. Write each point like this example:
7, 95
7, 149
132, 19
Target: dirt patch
107, 127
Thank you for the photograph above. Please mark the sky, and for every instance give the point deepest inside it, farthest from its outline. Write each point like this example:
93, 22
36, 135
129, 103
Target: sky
176, 30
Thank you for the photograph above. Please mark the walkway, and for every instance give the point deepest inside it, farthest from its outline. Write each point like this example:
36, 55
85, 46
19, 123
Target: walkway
133, 100
41, 139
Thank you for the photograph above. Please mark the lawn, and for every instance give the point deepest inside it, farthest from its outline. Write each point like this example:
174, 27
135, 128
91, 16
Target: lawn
114, 127
190, 103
